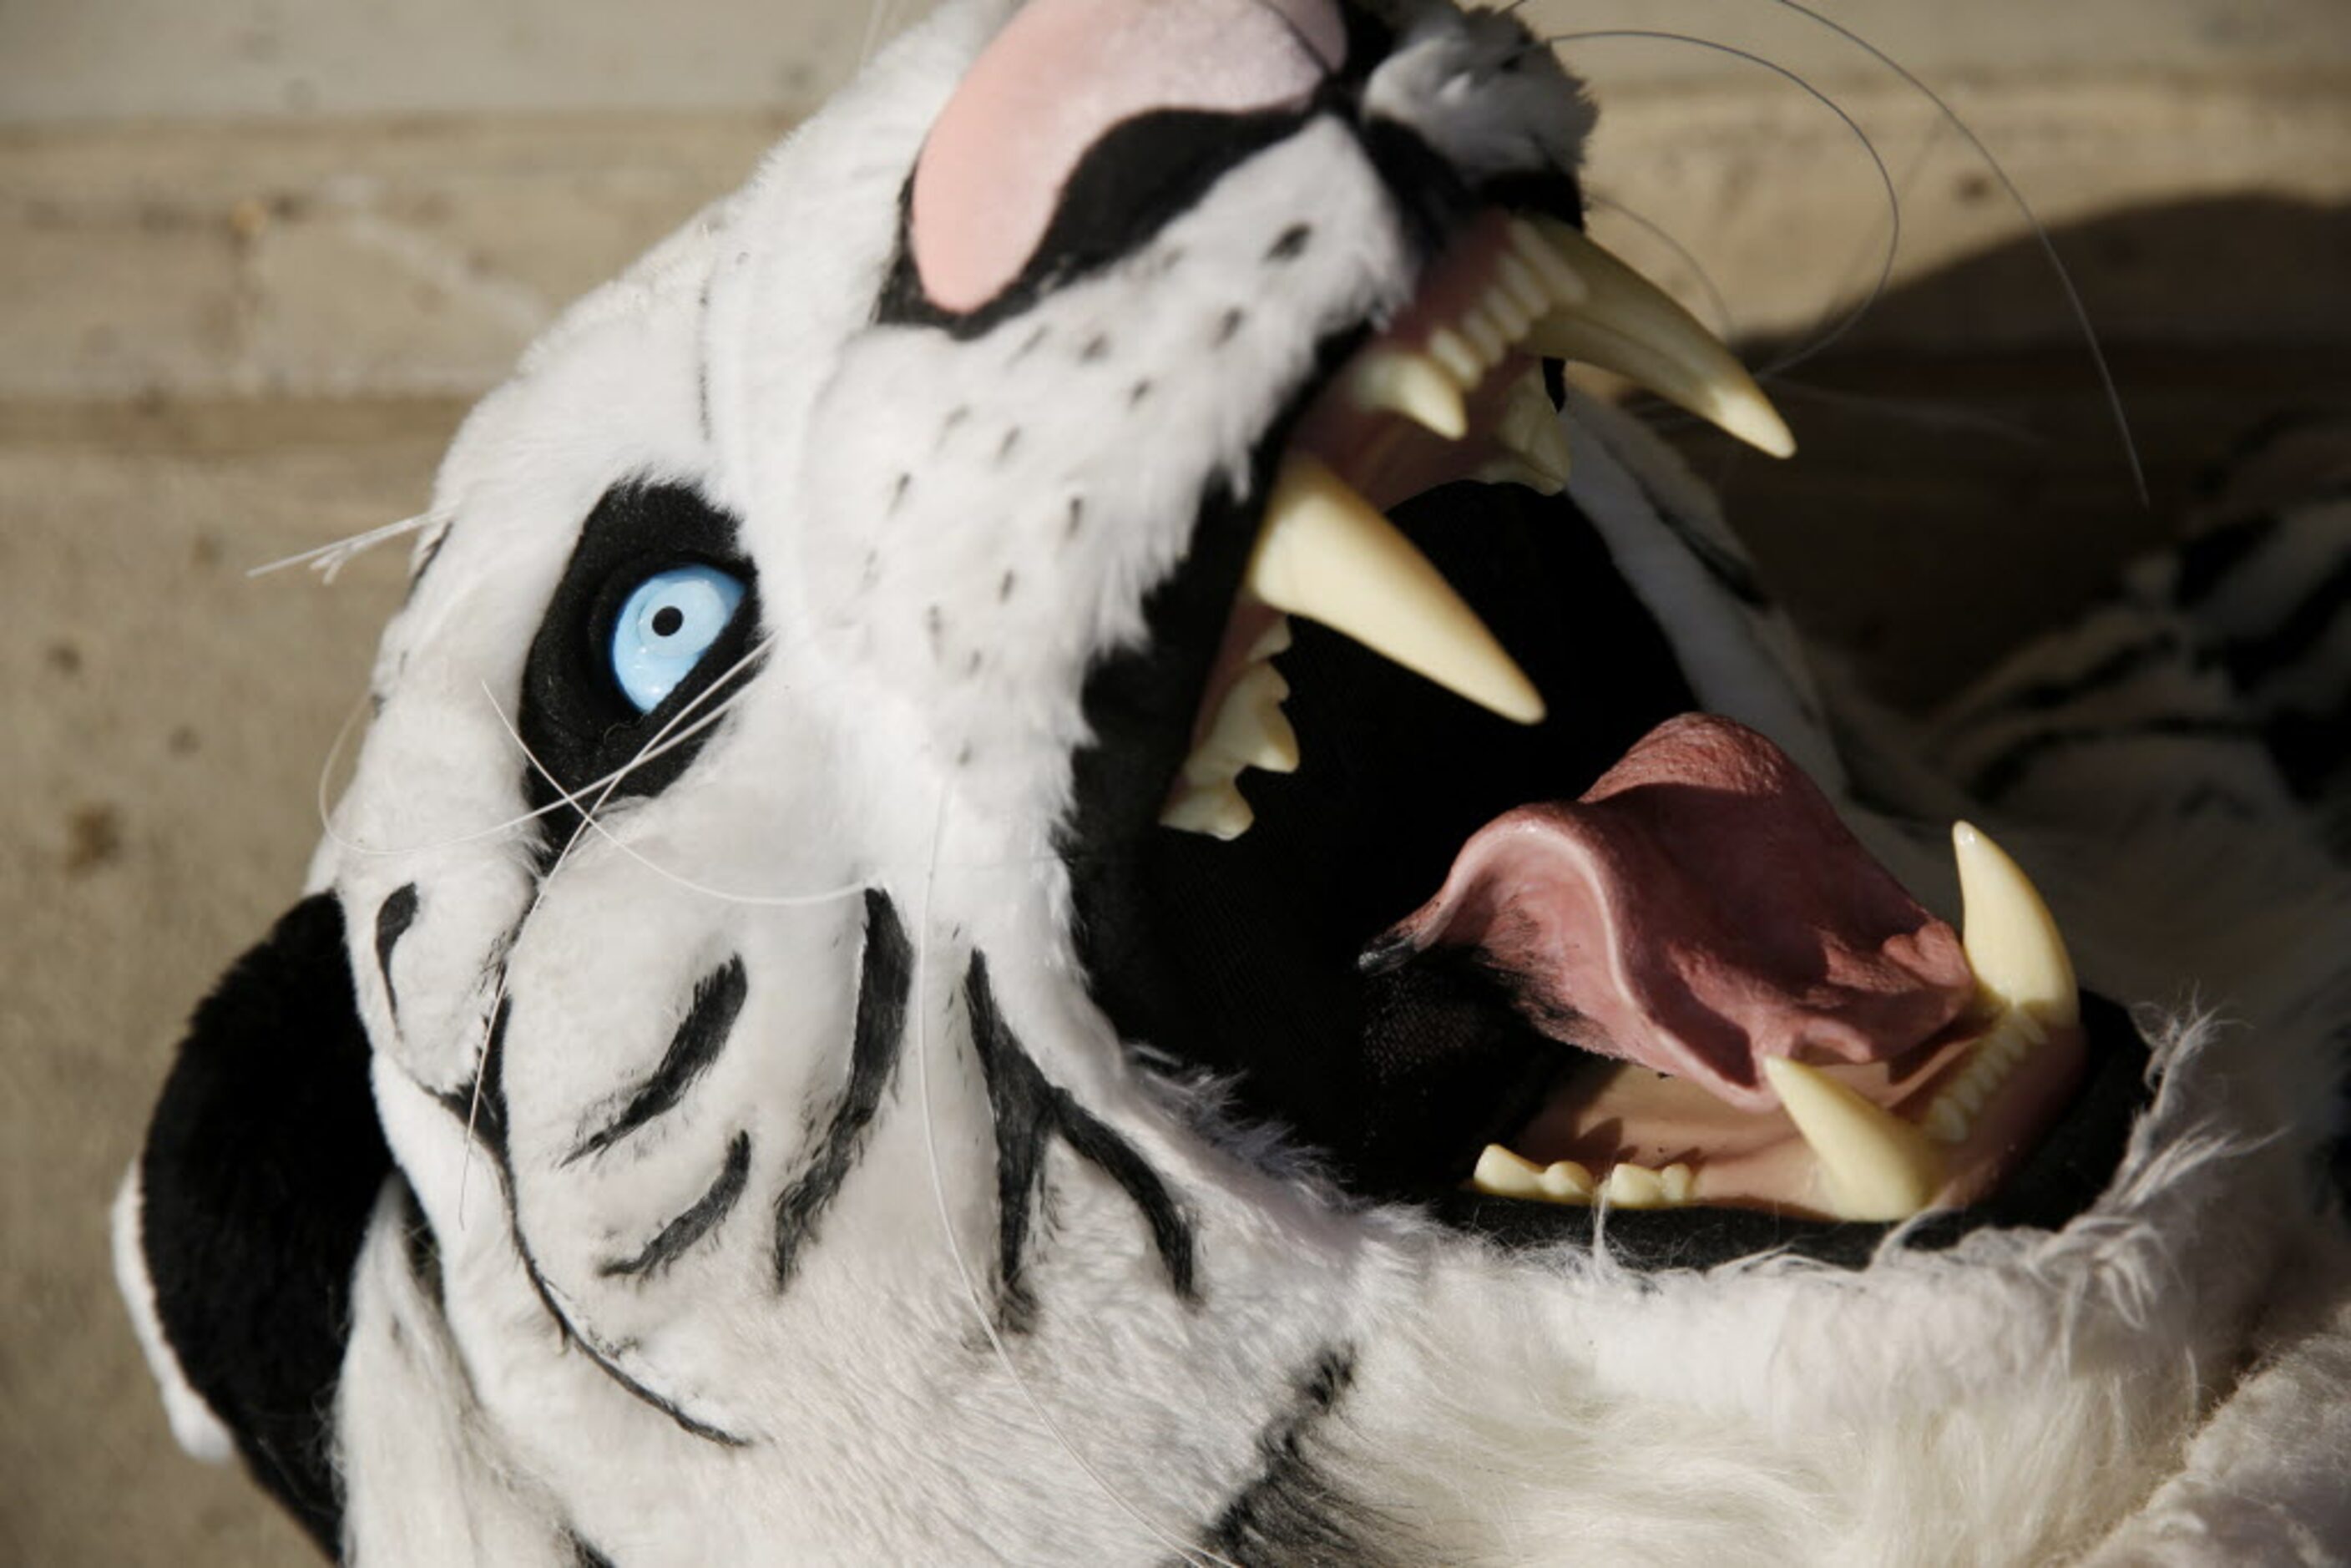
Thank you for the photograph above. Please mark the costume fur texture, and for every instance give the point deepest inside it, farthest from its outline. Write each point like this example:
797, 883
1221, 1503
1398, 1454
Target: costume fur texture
781, 1322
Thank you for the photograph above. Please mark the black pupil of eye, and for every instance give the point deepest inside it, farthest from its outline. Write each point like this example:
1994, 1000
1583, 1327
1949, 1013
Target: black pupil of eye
667, 620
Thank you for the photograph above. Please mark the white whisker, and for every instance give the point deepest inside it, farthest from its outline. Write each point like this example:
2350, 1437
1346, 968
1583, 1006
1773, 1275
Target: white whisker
328, 559
2032, 219
1885, 176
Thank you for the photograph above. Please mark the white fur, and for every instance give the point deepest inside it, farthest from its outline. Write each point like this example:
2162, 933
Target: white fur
193, 1422
2019, 1399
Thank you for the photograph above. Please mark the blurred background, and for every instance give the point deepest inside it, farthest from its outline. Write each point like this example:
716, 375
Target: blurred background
256, 256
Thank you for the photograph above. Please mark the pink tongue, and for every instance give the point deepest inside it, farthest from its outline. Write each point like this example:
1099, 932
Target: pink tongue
1699, 908
1062, 74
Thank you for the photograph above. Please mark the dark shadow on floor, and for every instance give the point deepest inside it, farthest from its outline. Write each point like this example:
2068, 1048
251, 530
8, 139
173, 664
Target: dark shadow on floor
1960, 481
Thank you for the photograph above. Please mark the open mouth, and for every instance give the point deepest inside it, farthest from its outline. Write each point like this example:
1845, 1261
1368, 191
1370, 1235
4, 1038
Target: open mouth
1449, 880
1401, 824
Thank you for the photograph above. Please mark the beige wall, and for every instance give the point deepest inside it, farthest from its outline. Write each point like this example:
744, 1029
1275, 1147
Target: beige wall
256, 255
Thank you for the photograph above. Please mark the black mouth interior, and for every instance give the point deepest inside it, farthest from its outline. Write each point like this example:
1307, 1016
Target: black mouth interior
1243, 958
1246, 960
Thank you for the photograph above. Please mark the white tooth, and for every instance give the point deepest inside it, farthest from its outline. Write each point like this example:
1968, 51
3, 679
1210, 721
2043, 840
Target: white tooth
1970, 1092
1524, 287
2012, 942
1558, 274
1507, 313
1484, 336
1679, 1180
1875, 1165
1636, 1186
1327, 554
1216, 810
1566, 1181
1248, 731
1459, 360
1632, 326
1945, 1123
1413, 385
1528, 426
1505, 1174
1274, 639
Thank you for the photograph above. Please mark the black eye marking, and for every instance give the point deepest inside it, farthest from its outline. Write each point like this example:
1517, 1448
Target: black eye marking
392, 920
700, 1038
578, 722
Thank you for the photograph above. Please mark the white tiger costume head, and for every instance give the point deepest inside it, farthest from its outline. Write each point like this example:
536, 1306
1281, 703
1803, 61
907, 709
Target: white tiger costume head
877, 915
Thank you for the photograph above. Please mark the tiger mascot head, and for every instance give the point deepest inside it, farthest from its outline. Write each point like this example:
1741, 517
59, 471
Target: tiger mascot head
1058, 864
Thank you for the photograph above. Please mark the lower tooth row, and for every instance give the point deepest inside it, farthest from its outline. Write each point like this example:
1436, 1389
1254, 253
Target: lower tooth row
1953, 1112
1503, 1173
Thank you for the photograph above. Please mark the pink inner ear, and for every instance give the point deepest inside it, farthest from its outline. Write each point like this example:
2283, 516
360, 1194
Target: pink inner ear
1060, 76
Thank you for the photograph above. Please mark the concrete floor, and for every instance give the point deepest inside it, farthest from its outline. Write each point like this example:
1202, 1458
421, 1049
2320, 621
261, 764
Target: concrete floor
255, 259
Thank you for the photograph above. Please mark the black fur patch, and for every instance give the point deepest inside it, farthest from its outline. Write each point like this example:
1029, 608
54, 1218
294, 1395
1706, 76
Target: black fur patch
261, 1167
1294, 1515
700, 1038
885, 978
1029, 1112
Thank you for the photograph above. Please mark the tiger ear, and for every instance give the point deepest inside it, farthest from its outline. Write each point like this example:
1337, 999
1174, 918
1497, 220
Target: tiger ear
239, 1223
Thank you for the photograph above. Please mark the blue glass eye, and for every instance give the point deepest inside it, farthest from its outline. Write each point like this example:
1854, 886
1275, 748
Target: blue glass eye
667, 625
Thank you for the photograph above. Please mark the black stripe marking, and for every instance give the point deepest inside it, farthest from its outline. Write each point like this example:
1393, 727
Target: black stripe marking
1996, 779
2253, 659
602, 1362
878, 1039
392, 919
430, 553
2113, 670
2207, 560
1734, 572
708, 1212
485, 1107
584, 1555
1293, 1512
481, 1104
1029, 1111
697, 1044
